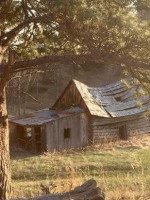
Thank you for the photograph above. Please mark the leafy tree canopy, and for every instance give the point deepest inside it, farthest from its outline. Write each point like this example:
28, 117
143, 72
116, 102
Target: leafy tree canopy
49, 31
98, 27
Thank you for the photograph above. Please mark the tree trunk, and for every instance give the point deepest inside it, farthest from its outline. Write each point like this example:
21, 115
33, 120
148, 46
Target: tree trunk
87, 191
4, 136
4, 149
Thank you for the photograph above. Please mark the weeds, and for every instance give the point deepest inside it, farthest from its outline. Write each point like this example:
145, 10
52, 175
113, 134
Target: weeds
123, 173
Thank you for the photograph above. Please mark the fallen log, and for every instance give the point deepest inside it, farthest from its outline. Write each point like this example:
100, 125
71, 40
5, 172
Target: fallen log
87, 191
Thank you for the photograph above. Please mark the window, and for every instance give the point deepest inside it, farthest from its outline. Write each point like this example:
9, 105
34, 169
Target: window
28, 132
67, 133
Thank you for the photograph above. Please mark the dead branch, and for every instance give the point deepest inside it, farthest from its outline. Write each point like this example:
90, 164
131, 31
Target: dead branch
87, 191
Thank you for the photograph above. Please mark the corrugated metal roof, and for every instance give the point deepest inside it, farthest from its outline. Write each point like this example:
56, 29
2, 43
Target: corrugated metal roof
119, 99
43, 116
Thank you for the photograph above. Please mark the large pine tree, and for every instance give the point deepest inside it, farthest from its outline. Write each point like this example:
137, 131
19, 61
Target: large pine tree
49, 31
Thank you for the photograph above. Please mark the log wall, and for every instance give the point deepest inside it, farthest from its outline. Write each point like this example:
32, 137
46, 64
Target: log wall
105, 131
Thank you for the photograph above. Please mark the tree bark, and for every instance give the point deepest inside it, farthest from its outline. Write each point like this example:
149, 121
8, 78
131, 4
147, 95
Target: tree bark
87, 191
4, 149
4, 138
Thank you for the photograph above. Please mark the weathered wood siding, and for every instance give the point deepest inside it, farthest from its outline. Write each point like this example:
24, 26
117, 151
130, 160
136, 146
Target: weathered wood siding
43, 138
78, 126
77, 94
105, 130
84, 129
70, 97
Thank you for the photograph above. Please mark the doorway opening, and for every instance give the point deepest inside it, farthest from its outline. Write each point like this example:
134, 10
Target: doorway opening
24, 137
123, 133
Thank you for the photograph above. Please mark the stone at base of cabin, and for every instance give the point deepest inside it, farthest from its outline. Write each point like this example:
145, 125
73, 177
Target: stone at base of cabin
87, 191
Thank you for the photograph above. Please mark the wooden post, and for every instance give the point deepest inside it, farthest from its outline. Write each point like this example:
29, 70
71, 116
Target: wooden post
33, 141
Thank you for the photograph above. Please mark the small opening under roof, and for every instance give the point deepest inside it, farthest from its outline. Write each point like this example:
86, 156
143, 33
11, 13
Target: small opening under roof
118, 98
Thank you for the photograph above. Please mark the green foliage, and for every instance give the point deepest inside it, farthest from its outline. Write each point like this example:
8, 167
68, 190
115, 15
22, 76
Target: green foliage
73, 26
98, 27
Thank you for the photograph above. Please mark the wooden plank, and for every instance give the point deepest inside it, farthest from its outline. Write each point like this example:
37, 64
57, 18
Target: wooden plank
130, 112
137, 123
93, 107
129, 93
34, 150
127, 105
56, 135
117, 84
51, 136
83, 129
102, 121
97, 92
43, 138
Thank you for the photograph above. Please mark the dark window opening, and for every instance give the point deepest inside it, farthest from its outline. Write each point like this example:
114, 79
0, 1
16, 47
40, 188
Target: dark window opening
118, 98
24, 137
67, 133
123, 133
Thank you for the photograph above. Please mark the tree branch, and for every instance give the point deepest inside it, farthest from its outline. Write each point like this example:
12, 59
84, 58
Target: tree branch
33, 98
12, 34
128, 61
24, 8
88, 191
135, 62
23, 65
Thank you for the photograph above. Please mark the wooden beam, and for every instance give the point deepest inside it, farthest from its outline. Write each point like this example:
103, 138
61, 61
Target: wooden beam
33, 141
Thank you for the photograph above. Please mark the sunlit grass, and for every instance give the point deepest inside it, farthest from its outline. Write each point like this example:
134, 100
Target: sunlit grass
123, 173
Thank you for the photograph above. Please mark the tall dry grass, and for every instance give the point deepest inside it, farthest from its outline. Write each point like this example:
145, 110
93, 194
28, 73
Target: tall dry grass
121, 169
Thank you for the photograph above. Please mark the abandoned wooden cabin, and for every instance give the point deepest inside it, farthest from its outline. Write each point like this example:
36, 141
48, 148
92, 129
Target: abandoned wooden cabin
49, 130
84, 115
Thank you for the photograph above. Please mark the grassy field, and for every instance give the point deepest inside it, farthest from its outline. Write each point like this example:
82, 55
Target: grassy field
122, 173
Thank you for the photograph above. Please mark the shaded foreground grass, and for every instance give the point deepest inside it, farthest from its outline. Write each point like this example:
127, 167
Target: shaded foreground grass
121, 173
